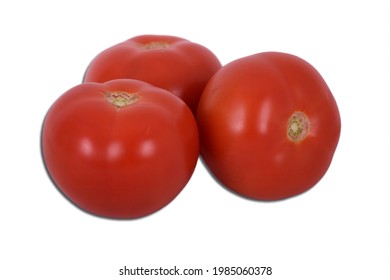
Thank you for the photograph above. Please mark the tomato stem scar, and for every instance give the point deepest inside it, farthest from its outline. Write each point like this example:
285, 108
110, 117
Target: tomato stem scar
121, 98
298, 127
155, 45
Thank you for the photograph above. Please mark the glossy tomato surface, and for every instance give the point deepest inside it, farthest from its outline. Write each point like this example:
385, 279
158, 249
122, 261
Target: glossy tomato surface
269, 126
121, 149
173, 63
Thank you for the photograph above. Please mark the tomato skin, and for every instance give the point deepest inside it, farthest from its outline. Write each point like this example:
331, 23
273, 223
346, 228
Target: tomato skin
120, 162
243, 119
173, 63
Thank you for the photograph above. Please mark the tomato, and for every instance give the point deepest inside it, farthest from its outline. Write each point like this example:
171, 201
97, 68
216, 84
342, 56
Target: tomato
175, 64
269, 126
120, 149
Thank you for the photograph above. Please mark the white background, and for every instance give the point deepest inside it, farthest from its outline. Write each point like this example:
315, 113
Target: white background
338, 230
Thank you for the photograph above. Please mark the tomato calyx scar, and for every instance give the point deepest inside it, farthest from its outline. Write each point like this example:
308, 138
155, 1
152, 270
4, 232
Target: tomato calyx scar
155, 45
298, 127
121, 98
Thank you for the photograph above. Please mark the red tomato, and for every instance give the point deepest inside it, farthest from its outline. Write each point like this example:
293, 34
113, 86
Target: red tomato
169, 62
268, 125
120, 149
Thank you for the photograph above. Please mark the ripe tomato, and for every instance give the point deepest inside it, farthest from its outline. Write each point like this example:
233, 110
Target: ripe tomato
269, 126
120, 149
169, 62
